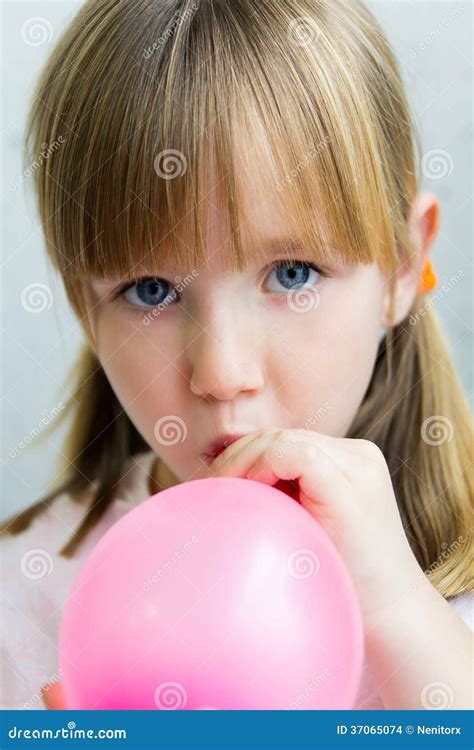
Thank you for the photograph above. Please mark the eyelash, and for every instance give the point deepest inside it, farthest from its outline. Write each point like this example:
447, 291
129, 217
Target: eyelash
119, 299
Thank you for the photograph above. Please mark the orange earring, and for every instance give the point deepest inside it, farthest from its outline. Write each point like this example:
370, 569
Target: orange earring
428, 280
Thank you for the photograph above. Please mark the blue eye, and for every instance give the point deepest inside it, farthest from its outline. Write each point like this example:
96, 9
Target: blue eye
294, 274
151, 291
148, 292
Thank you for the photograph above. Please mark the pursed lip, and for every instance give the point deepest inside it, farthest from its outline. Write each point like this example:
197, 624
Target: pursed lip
216, 446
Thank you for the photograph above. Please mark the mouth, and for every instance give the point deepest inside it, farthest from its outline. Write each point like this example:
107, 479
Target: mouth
218, 446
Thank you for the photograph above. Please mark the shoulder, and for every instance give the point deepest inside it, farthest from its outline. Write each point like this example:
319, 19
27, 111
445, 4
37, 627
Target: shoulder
463, 604
31, 564
46, 532
35, 579
31, 561
52, 528
36, 582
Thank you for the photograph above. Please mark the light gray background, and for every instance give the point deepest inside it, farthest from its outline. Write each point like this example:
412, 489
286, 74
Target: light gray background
433, 43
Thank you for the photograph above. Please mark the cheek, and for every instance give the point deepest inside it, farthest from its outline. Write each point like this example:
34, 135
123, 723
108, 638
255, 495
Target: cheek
131, 379
150, 396
140, 374
351, 338
322, 361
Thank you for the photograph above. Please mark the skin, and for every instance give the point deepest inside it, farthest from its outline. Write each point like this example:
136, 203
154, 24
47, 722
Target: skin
233, 356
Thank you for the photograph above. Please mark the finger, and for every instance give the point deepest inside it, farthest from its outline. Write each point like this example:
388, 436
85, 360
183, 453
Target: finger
53, 697
264, 448
320, 465
231, 462
238, 445
321, 482
240, 453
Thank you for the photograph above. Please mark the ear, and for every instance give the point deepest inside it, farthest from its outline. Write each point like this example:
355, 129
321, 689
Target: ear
423, 226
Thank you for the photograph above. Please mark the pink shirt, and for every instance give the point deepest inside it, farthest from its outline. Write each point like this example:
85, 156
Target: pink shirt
36, 583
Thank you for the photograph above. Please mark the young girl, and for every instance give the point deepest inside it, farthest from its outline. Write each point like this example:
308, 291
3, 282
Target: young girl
234, 210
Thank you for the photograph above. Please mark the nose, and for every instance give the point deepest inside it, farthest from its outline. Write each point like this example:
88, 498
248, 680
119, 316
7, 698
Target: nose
225, 358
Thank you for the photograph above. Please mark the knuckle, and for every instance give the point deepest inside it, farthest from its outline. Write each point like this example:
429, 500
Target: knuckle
371, 471
371, 450
286, 441
282, 443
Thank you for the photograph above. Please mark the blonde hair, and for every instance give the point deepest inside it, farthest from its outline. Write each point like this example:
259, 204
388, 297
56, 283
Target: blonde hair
141, 92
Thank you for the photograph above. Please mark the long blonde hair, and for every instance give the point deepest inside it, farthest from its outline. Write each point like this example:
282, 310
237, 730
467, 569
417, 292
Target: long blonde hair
149, 102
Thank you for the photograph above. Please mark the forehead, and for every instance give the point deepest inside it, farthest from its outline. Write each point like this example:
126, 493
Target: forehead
266, 227
265, 224
265, 230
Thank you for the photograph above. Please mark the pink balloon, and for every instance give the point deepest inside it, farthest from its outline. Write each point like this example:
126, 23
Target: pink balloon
220, 592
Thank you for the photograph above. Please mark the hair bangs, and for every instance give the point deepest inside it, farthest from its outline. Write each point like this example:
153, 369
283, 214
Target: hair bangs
195, 110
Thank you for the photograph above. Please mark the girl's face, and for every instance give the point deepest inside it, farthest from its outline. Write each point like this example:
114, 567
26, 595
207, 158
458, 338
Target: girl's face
235, 352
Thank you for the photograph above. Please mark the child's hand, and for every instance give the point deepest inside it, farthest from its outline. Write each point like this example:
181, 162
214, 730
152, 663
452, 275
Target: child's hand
53, 697
345, 485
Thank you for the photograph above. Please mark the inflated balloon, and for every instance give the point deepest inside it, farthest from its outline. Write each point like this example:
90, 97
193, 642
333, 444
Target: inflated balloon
219, 592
